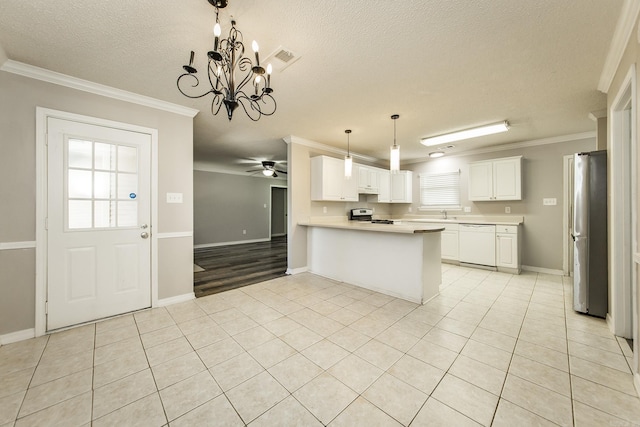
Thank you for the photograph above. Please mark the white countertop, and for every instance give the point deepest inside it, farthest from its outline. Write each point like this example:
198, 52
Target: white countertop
402, 228
468, 219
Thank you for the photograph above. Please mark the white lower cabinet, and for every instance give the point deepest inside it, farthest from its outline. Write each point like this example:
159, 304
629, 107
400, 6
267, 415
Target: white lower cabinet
449, 238
507, 248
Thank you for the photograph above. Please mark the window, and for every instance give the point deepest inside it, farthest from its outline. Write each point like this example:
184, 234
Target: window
440, 190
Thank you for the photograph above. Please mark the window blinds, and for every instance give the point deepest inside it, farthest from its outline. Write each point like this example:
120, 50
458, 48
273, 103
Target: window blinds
440, 190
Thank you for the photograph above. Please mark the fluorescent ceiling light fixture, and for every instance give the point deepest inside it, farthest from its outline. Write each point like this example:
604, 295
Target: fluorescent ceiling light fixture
435, 154
466, 134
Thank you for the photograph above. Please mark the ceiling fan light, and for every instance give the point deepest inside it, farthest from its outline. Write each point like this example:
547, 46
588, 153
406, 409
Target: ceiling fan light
466, 134
268, 172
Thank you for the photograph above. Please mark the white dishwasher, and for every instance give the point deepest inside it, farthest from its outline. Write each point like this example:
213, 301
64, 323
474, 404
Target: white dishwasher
477, 244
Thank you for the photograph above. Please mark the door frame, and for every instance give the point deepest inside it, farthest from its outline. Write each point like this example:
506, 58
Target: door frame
623, 182
42, 115
271, 187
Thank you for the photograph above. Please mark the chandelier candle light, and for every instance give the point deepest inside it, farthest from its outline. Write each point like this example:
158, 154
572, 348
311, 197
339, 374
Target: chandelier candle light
226, 65
394, 158
348, 160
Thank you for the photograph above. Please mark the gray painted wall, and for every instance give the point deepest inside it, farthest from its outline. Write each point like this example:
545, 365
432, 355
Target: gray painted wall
226, 204
20, 97
542, 177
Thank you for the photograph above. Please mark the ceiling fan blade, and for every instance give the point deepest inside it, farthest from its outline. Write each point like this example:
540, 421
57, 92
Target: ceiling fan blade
275, 175
284, 172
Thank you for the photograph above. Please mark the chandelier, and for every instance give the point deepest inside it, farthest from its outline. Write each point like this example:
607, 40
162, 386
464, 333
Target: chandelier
234, 79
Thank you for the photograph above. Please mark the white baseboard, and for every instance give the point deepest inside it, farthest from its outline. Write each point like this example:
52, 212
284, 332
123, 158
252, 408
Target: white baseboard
543, 270
239, 242
291, 271
174, 300
17, 336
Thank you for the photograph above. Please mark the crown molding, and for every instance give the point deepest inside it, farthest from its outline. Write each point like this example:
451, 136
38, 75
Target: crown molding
624, 29
516, 145
600, 114
49, 76
292, 139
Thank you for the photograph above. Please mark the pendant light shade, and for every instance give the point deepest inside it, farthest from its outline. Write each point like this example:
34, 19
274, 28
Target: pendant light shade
348, 160
394, 155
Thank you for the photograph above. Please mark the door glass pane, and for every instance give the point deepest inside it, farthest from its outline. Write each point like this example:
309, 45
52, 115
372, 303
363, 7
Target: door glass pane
105, 156
127, 214
79, 154
104, 214
127, 159
127, 185
104, 185
79, 184
79, 213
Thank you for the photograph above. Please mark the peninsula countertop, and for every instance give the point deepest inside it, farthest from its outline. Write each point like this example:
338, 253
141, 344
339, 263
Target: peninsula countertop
404, 227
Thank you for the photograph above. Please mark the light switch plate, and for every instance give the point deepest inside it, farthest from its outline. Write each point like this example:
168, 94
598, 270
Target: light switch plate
507, 209
550, 201
467, 209
174, 197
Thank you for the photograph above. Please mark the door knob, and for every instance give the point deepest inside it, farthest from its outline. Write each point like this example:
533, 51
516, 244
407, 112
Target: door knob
144, 235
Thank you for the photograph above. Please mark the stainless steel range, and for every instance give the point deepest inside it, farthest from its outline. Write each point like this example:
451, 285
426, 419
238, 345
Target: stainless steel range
366, 215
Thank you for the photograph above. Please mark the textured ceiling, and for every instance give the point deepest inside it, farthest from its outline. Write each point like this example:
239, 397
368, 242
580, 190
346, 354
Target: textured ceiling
442, 65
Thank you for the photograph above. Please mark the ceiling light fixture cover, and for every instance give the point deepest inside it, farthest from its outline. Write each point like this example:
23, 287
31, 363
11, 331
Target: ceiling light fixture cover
229, 72
466, 134
348, 160
394, 155
268, 172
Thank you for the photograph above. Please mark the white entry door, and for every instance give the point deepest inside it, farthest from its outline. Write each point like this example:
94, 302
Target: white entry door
99, 250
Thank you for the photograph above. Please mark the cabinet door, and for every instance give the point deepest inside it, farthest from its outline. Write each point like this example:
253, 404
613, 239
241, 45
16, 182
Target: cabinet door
373, 180
384, 187
507, 179
363, 178
332, 179
481, 181
349, 187
401, 188
507, 250
449, 249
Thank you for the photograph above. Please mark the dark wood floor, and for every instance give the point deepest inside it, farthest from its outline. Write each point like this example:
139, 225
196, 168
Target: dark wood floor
234, 266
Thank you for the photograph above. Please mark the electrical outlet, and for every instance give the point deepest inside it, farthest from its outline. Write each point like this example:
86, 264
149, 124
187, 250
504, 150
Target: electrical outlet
244, 231
324, 209
550, 201
410, 209
265, 206
507, 209
467, 209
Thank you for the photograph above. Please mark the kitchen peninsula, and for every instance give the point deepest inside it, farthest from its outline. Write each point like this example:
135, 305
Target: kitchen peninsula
400, 260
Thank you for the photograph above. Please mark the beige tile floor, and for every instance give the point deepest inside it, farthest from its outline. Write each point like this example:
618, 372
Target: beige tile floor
492, 349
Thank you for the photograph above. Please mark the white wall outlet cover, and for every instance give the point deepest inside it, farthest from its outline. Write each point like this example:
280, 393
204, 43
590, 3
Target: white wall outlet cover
467, 209
324, 209
549, 201
507, 209
265, 205
410, 209
244, 231
174, 197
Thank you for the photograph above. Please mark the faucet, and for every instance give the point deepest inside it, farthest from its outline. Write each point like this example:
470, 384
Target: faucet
444, 214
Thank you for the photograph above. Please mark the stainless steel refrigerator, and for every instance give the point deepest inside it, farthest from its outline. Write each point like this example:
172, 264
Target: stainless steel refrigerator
590, 257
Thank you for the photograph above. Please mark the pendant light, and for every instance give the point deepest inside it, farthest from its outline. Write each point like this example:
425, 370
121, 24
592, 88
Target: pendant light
348, 160
394, 158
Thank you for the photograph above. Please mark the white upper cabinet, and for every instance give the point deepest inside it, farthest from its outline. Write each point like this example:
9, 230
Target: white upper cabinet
329, 183
401, 187
367, 179
384, 188
497, 179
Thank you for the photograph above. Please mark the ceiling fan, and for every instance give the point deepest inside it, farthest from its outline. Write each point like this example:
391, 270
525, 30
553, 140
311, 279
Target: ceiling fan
269, 169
